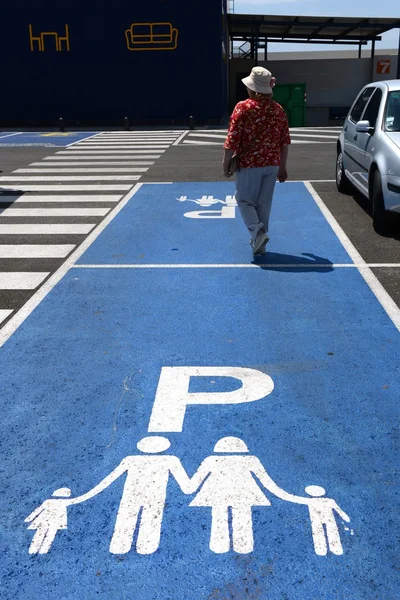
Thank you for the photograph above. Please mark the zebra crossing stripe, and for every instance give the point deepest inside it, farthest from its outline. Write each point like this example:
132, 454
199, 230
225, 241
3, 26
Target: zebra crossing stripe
141, 133
153, 141
53, 212
165, 138
62, 170
306, 135
35, 250
153, 132
37, 198
46, 228
67, 163
21, 280
71, 178
95, 153
109, 147
69, 188
99, 156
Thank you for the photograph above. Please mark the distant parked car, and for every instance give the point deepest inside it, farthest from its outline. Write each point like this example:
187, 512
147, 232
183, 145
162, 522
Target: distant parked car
368, 149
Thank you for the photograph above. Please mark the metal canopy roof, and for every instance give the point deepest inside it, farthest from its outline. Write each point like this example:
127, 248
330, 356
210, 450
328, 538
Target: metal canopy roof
340, 30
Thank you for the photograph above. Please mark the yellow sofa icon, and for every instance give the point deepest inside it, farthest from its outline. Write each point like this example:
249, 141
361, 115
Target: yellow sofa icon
151, 36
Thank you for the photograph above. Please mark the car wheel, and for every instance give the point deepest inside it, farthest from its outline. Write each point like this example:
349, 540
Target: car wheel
342, 183
380, 216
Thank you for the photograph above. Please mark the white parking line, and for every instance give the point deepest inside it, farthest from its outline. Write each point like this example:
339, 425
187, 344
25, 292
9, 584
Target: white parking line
310, 265
4, 313
180, 138
310, 180
9, 135
391, 308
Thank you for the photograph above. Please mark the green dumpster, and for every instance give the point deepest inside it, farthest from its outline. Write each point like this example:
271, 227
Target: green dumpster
293, 99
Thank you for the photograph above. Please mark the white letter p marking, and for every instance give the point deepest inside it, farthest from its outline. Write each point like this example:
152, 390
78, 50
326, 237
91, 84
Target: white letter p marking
173, 394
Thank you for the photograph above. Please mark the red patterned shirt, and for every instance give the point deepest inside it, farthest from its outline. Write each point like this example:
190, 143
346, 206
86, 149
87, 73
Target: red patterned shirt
261, 126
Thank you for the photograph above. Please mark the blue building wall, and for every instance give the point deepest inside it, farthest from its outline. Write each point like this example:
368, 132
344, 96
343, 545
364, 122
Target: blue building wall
101, 72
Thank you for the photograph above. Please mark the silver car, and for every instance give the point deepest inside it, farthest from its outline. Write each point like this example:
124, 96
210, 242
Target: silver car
368, 149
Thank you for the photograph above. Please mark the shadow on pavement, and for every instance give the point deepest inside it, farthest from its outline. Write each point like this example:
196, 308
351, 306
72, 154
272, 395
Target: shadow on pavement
8, 197
307, 262
392, 230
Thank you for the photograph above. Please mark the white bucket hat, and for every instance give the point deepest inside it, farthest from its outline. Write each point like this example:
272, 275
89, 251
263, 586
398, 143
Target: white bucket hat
259, 81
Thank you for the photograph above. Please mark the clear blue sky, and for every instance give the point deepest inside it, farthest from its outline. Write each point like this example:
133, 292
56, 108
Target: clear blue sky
330, 8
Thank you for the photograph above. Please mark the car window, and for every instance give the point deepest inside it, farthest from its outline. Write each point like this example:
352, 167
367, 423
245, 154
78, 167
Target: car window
371, 112
360, 103
392, 119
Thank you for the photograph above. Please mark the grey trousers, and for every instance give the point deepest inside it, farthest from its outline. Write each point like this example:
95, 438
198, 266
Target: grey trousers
254, 191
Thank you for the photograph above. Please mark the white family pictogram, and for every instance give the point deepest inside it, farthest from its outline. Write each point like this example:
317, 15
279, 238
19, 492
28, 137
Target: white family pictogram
229, 480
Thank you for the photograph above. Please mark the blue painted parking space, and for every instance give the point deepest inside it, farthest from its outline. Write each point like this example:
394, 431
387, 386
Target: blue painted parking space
43, 138
153, 228
202, 433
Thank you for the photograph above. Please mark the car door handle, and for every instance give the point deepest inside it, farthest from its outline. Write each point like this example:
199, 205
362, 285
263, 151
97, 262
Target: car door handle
355, 138
345, 129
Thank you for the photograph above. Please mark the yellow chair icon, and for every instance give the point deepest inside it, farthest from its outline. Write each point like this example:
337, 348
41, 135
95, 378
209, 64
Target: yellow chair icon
57, 38
151, 36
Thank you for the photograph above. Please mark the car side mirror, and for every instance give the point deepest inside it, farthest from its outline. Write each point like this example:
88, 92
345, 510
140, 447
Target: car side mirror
364, 127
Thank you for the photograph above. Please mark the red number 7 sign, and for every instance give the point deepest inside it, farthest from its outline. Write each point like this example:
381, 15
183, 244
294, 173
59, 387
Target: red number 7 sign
383, 67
